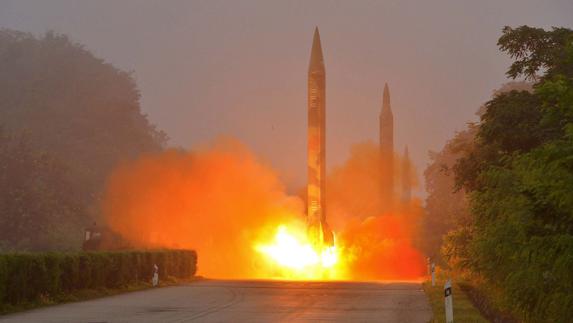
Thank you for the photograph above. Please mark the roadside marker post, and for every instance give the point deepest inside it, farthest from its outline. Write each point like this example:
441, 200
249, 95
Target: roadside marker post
433, 270
449, 301
155, 279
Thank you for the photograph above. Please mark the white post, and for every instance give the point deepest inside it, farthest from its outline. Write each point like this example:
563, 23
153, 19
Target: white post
449, 301
428, 266
155, 279
433, 270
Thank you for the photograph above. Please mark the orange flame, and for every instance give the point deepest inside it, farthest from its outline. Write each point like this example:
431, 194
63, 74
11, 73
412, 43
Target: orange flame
222, 202
296, 258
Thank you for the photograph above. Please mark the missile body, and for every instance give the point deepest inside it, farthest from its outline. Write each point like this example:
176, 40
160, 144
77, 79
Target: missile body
318, 230
386, 152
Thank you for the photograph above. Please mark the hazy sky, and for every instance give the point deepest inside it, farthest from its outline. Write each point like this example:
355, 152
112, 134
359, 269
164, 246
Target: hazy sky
210, 68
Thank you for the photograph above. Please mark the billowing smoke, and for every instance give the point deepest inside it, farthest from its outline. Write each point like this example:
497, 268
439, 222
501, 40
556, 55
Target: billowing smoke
222, 201
216, 200
378, 238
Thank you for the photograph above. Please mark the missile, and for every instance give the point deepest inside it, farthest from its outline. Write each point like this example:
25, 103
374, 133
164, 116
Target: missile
318, 229
386, 152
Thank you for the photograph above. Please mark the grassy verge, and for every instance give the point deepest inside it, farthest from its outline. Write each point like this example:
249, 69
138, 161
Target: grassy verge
464, 311
88, 294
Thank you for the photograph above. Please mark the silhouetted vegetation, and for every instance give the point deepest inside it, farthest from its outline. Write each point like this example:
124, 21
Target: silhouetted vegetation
38, 205
518, 174
446, 208
67, 119
44, 277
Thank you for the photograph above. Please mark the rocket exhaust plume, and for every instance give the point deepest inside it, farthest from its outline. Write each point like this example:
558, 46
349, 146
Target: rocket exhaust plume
218, 200
318, 230
377, 242
223, 202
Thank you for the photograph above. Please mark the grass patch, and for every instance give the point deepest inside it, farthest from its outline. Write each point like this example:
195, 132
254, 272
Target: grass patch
464, 311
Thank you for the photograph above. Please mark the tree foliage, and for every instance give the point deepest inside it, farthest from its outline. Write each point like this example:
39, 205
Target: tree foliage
76, 109
519, 174
535, 50
36, 201
446, 208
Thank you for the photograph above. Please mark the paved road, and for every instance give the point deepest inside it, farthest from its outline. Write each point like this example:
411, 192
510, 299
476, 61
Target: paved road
248, 301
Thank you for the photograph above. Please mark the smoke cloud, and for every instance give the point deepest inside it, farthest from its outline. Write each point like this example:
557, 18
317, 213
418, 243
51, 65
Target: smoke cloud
216, 200
221, 201
380, 243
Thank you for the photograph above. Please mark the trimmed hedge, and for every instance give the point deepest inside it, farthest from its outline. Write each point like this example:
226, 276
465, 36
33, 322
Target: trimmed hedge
29, 277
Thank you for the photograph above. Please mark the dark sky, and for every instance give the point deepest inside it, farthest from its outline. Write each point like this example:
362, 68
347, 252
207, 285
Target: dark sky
210, 68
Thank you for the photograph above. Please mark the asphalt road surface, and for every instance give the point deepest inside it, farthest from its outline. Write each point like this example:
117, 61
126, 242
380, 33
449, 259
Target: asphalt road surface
248, 301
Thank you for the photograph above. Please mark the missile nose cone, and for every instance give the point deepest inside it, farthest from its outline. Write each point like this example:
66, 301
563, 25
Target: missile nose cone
386, 108
316, 59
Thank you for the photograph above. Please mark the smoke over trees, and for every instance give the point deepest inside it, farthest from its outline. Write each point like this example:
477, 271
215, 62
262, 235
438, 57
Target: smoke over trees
446, 207
80, 116
447, 203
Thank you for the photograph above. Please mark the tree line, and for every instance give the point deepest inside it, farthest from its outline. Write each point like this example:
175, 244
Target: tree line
500, 204
66, 119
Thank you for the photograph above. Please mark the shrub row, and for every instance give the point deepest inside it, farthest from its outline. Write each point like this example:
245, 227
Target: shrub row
28, 277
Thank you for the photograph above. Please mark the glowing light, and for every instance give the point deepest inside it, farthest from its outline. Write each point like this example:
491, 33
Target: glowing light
297, 258
328, 257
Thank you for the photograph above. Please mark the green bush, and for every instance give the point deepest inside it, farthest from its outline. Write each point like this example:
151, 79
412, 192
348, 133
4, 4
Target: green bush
31, 277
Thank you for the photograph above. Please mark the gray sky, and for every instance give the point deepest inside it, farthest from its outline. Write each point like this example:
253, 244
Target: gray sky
210, 68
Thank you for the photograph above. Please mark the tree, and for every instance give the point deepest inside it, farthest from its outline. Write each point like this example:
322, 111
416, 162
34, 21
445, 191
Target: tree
520, 177
447, 205
446, 208
535, 49
79, 109
37, 203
